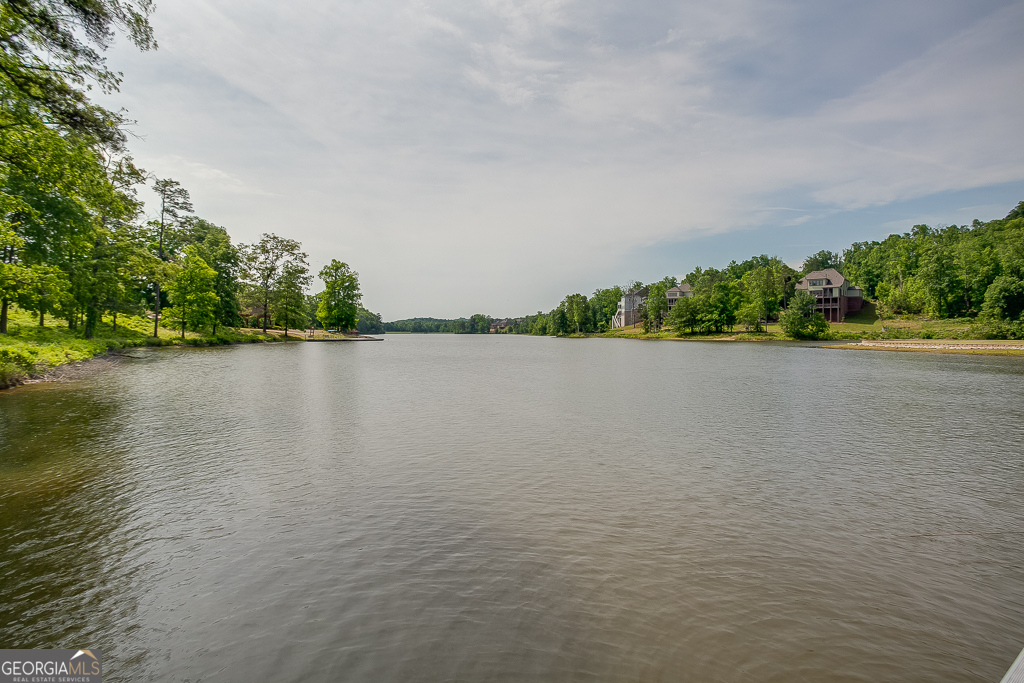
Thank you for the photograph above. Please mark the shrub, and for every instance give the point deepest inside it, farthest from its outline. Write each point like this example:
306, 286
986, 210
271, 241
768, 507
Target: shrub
19, 357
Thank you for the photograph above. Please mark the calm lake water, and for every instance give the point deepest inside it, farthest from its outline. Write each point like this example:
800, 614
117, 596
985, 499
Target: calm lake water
499, 508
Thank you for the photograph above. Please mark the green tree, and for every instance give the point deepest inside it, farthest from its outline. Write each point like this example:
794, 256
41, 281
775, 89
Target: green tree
801, 320
1004, 298
721, 306
605, 303
174, 201
312, 305
263, 264
214, 246
685, 316
656, 305
822, 260
17, 277
50, 54
288, 304
558, 322
192, 295
339, 302
577, 311
369, 323
764, 288
479, 323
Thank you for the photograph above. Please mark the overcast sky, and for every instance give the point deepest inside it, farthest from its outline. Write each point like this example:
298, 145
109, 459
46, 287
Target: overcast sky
495, 156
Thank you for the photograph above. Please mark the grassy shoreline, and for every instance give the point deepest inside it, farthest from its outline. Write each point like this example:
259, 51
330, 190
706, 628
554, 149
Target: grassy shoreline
29, 351
865, 325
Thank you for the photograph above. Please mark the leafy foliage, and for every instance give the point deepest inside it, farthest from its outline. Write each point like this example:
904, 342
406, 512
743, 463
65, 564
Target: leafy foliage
801, 320
192, 292
339, 302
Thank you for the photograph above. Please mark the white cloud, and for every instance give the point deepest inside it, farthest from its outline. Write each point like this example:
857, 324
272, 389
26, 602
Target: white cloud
524, 146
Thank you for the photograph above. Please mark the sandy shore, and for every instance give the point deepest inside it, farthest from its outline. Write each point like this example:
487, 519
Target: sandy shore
970, 347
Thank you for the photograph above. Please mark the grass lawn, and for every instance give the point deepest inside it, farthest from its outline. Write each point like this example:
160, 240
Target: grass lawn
865, 324
28, 349
866, 321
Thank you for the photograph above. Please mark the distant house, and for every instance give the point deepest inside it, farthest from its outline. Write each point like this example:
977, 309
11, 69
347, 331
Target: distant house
628, 312
835, 297
683, 291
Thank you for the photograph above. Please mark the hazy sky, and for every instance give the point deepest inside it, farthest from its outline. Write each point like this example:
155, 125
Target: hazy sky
495, 156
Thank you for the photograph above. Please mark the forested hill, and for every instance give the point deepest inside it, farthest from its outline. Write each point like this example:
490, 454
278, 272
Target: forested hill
945, 272
477, 324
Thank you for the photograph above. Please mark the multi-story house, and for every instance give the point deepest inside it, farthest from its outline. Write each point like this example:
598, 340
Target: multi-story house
835, 297
628, 313
676, 293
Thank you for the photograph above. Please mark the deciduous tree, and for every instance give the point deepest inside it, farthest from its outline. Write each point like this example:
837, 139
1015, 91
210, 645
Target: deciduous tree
194, 302
339, 302
263, 264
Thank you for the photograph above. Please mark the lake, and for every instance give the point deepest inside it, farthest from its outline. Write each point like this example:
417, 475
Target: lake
502, 508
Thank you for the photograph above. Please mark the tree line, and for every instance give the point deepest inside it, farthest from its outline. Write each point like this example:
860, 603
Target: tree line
478, 323
969, 271
74, 241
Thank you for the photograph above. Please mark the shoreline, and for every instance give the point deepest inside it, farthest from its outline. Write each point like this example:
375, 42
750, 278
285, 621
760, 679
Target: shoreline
99, 362
967, 347
109, 357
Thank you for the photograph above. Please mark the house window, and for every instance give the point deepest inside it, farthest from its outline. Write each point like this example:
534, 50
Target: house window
817, 283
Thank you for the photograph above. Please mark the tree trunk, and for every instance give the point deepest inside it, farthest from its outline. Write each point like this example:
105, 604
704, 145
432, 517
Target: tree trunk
91, 314
42, 317
156, 312
183, 327
266, 310
3, 316
115, 320
214, 328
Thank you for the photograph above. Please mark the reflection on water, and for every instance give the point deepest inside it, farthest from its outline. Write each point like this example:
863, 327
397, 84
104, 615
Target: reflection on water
465, 508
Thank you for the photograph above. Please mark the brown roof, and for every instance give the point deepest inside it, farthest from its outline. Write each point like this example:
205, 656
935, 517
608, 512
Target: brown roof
833, 277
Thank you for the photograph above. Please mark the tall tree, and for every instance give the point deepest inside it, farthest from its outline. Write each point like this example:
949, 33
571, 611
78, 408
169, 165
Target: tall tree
577, 309
605, 302
50, 53
558, 322
214, 246
288, 304
174, 201
764, 288
339, 302
263, 264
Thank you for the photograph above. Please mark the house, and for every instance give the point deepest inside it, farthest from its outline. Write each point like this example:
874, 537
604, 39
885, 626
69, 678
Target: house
628, 313
676, 293
835, 296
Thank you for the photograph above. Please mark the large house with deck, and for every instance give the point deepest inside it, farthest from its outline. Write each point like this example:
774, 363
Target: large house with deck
683, 291
834, 296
